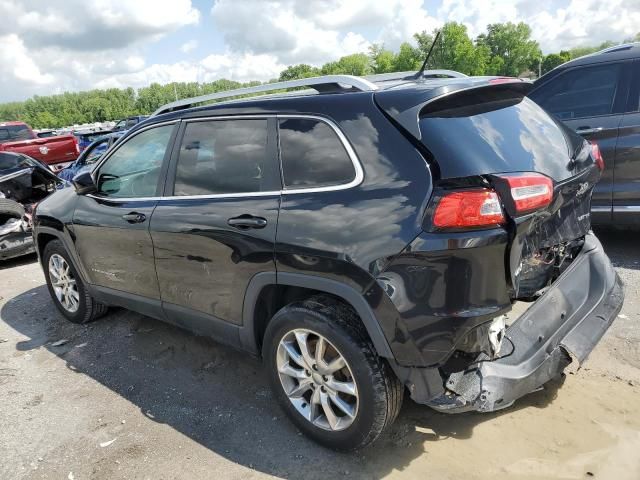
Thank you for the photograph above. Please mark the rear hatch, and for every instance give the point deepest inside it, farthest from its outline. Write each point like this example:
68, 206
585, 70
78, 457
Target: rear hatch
489, 136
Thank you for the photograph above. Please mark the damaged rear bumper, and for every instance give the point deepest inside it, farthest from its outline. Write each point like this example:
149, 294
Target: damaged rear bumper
561, 327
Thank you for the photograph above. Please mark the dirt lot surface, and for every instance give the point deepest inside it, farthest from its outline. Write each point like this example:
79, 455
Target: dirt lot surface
130, 397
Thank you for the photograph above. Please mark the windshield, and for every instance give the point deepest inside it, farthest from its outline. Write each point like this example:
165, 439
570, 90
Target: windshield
9, 133
9, 161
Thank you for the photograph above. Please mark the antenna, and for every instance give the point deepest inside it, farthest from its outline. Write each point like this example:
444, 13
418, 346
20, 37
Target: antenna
426, 60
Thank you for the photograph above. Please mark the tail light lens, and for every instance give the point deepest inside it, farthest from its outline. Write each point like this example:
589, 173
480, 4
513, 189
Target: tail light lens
529, 191
597, 156
470, 208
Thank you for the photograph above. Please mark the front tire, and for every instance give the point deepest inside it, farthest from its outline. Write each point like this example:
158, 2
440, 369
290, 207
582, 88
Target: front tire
66, 287
327, 376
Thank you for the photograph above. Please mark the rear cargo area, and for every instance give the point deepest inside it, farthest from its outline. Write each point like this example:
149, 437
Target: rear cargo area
474, 136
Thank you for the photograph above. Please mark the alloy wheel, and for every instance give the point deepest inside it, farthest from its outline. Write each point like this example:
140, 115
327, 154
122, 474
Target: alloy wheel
63, 283
317, 380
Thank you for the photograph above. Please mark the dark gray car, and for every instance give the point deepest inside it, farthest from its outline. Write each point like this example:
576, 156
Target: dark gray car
598, 96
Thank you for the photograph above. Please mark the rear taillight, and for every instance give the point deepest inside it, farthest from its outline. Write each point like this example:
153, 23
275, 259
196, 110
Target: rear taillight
469, 208
529, 191
597, 156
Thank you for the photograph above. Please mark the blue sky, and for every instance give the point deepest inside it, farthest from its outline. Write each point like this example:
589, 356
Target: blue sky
52, 46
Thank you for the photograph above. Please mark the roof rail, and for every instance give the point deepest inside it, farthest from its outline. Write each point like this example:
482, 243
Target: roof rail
321, 84
411, 75
616, 48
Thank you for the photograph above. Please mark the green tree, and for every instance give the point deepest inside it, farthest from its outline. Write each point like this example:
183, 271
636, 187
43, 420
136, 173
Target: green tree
454, 50
356, 64
408, 58
505, 49
382, 60
512, 43
302, 70
553, 60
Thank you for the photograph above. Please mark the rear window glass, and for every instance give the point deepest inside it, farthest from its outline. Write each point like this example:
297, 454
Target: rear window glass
10, 133
313, 155
496, 135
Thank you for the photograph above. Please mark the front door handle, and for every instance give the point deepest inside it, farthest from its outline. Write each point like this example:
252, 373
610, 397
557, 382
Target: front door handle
247, 221
588, 130
134, 217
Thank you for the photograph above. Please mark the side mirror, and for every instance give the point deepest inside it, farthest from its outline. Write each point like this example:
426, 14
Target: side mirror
84, 184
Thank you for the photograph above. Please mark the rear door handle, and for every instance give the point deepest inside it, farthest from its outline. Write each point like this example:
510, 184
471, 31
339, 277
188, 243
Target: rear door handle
134, 217
588, 130
247, 221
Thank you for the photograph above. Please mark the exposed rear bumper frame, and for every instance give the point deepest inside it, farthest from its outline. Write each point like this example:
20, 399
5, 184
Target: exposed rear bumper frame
561, 327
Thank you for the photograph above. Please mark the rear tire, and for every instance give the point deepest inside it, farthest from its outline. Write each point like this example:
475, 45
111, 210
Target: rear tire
373, 404
66, 287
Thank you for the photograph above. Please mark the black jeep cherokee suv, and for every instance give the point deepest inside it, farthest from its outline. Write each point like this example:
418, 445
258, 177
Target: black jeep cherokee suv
365, 239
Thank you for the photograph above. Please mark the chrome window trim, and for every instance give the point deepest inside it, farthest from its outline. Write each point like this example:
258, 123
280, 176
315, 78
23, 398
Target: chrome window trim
359, 172
357, 180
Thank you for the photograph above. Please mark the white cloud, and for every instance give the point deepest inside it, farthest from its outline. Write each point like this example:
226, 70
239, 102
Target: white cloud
54, 46
239, 67
586, 22
15, 57
555, 24
50, 47
189, 46
317, 31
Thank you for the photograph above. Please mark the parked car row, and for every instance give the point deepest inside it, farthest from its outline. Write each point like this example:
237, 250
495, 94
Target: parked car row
24, 181
56, 151
90, 155
599, 97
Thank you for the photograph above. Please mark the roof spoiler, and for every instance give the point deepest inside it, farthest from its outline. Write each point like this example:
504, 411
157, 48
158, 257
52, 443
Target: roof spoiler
406, 111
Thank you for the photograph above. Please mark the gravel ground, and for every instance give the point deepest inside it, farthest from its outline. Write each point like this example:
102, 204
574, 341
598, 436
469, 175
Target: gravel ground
130, 397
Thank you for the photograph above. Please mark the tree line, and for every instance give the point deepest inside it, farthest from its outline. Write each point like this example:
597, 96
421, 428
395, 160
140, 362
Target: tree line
504, 49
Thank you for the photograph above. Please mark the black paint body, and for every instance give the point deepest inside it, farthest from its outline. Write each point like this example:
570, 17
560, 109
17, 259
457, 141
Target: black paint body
418, 291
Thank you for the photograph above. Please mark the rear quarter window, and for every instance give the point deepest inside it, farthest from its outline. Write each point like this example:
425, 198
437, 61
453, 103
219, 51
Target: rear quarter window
313, 155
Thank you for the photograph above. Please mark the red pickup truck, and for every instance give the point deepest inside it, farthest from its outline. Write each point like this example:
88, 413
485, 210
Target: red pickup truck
57, 152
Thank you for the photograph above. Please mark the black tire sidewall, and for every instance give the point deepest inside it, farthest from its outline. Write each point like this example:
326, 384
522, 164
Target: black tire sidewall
293, 317
80, 315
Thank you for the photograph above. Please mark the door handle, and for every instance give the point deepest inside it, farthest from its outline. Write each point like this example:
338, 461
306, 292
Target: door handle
247, 221
588, 130
134, 217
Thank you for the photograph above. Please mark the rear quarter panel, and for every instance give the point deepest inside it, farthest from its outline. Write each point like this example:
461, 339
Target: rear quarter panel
351, 235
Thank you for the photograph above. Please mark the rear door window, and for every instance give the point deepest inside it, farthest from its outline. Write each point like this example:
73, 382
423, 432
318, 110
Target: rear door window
312, 155
581, 92
221, 157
